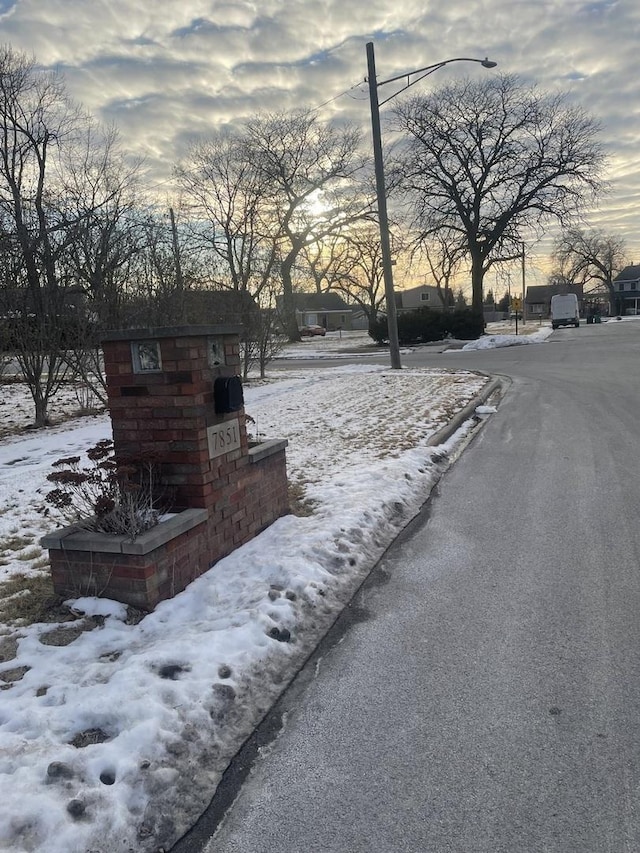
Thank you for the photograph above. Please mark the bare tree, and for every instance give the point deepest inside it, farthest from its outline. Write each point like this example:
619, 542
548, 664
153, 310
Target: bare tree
328, 261
263, 338
442, 258
485, 161
225, 194
591, 257
36, 121
163, 269
67, 200
101, 215
226, 197
363, 281
104, 235
311, 169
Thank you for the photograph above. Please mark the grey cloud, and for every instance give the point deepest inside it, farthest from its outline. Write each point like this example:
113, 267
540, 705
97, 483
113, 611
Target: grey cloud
167, 72
140, 41
201, 26
7, 6
600, 7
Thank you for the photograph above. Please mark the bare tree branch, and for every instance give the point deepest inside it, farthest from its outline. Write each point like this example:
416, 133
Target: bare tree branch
591, 256
487, 161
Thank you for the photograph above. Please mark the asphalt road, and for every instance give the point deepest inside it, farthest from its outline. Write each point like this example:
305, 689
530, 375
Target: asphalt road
485, 695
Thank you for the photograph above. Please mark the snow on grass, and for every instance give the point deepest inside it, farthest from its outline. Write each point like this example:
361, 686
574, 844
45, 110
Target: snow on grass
333, 344
494, 341
17, 409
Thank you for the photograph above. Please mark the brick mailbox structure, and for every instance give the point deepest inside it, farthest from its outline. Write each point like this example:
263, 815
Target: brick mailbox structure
174, 394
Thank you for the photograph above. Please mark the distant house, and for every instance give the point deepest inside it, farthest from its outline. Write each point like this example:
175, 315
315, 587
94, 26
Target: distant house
359, 318
26, 314
321, 309
219, 307
423, 296
627, 289
62, 300
538, 298
197, 308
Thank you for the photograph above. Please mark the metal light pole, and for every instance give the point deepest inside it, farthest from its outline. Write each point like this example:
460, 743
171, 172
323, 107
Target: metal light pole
524, 304
383, 222
381, 193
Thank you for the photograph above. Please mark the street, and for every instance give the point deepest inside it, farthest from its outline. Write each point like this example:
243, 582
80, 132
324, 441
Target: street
483, 693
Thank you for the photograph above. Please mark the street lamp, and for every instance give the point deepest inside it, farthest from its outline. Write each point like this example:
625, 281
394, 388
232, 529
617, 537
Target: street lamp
387, 271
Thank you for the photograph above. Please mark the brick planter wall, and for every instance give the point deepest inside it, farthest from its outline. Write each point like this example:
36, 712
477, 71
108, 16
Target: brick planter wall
141, 572
168, 410
269, 485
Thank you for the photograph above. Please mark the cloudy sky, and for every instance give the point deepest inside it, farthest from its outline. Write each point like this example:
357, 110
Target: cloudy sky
166, 71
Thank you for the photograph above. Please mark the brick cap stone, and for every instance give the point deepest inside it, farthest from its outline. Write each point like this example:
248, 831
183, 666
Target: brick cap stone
74, 538
169, 332
267, 448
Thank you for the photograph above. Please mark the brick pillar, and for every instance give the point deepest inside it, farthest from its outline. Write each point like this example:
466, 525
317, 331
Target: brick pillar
160, 388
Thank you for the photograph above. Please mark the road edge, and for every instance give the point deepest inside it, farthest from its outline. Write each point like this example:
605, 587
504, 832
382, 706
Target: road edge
494, 383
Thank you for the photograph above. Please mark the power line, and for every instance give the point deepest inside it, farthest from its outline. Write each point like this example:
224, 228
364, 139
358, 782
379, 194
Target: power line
162, 183
340, 95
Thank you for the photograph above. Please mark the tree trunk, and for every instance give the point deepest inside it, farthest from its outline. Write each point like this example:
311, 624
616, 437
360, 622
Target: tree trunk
41, 407
372, 316
477, 279
289, 320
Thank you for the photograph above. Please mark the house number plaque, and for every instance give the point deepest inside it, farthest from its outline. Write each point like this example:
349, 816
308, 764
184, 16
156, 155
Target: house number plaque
223, 438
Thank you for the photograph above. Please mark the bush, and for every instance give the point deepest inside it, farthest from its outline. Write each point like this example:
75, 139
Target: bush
378, 329
424, 325
109, 496
464, 324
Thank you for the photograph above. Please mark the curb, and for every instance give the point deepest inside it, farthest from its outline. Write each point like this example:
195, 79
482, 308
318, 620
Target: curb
494, 384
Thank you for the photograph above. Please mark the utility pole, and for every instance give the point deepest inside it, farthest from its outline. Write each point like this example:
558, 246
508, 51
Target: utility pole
524, 306
383, 221
176, 251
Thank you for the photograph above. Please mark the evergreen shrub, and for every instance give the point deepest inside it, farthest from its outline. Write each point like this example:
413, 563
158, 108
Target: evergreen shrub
424, 325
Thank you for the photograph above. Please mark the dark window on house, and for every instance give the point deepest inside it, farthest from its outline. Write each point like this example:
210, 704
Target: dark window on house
424, 297
633, 285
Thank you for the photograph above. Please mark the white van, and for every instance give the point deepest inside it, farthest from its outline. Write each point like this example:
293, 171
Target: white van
564, 310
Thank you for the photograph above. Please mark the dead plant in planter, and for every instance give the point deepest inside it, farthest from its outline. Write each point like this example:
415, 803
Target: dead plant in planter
110, 495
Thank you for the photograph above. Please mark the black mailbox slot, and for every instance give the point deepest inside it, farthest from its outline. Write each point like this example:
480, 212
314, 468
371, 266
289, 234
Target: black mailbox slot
227, 394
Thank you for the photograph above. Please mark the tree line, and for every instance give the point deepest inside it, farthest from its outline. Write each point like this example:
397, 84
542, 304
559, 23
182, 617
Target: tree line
283, 202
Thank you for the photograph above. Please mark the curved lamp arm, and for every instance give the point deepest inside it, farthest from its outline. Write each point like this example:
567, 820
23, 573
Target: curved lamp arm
424, 72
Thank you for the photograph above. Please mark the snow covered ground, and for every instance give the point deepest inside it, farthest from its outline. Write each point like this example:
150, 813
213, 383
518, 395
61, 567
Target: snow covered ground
495, 340
114, 733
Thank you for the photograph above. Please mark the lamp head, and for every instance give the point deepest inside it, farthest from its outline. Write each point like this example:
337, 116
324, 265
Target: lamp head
487, 63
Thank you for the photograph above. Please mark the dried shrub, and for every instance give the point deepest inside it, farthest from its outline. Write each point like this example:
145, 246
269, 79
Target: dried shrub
109, 495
